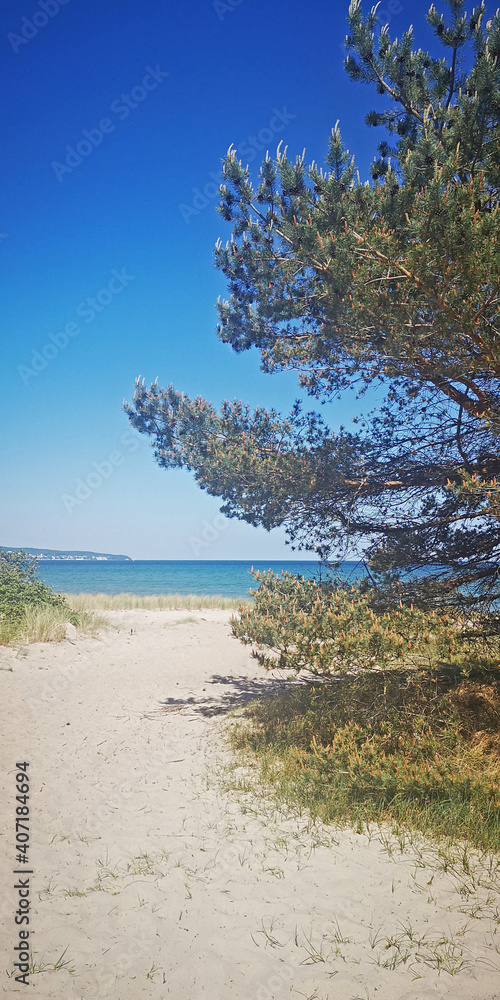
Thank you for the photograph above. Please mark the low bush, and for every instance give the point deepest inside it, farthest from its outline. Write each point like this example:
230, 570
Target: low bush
407, 748
300, 624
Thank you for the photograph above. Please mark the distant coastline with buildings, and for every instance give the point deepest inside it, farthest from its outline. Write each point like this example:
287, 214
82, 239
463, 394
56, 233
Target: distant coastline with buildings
60, 555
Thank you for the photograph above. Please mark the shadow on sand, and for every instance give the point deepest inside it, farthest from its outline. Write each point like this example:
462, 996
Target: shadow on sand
240, 691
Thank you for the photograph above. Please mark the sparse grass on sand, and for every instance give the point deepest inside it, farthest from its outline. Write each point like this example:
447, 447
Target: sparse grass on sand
416, 750
152, 602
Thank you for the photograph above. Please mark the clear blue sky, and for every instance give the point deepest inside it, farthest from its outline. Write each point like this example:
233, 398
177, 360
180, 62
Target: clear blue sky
107, 253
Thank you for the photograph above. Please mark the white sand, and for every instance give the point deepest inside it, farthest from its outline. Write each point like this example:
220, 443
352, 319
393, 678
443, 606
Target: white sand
159, 884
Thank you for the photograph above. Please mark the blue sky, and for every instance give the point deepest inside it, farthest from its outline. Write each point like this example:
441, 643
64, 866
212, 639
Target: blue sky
117, 118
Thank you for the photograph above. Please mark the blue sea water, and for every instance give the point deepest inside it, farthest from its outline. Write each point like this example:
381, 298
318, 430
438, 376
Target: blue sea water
231, 578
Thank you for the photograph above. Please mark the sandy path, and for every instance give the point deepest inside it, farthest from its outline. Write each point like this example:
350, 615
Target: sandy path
159, 884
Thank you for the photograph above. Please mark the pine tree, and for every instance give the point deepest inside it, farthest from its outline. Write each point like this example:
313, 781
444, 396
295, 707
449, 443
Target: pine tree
391, 282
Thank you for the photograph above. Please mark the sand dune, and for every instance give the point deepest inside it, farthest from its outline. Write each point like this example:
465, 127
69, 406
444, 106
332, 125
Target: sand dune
151, 881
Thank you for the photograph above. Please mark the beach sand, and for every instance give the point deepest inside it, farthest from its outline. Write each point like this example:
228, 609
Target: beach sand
155, 882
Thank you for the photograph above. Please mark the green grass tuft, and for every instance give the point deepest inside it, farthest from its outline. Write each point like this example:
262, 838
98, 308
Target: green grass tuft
48, 624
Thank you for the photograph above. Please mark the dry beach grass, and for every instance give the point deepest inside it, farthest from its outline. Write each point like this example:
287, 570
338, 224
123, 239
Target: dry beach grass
45, 623
151, 602
161, 869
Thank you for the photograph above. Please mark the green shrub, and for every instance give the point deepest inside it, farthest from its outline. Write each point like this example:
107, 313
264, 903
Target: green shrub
20, 589
300, 624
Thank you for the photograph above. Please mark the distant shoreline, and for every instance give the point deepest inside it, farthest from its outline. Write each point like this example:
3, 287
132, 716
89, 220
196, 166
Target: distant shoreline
89, 559
67, 555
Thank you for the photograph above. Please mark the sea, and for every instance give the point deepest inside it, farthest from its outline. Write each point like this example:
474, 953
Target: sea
231, 578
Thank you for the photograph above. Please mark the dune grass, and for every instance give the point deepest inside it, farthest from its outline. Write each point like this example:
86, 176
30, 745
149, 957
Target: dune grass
44, 624
416, 750
152, 602
47, 623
